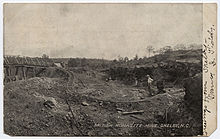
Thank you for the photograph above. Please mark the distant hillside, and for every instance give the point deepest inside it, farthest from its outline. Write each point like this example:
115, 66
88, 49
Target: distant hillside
190, 56
172, 67
182, 56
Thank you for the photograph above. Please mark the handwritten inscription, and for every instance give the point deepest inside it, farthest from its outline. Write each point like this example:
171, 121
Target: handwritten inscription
209, 63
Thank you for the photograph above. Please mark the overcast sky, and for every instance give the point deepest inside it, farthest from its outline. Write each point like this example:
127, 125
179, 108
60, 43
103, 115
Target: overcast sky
98, 30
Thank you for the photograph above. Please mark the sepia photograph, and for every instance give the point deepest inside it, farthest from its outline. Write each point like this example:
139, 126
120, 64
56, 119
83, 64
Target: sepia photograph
106, 69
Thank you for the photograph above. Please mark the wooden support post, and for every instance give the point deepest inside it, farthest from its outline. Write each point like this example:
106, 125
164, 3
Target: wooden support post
24, 73
16, 73
22, 70
7, 71
35, 71
16, 70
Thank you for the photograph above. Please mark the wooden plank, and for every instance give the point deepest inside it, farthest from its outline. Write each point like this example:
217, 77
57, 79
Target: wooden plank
133, 112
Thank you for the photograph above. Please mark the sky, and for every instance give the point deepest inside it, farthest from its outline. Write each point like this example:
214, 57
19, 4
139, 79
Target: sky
98, 30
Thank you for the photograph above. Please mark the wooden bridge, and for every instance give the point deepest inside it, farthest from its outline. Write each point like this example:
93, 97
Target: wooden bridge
19, 68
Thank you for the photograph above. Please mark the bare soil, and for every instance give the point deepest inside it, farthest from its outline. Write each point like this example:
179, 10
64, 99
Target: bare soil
85, 105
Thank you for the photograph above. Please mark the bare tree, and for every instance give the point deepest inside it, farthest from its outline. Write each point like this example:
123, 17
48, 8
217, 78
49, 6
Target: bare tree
45, 56
149, 50
120, 59
136, 57
126, 59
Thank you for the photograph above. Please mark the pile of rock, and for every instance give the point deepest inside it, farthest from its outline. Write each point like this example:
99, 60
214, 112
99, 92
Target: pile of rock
193, 93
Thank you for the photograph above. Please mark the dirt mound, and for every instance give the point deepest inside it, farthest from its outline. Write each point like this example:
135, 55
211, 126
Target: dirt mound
27, 108
53, 72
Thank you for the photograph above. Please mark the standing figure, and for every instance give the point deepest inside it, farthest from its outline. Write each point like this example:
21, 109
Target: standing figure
136, 81
149, 84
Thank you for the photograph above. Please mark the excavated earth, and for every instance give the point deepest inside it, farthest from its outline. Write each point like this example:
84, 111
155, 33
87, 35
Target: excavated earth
84, 105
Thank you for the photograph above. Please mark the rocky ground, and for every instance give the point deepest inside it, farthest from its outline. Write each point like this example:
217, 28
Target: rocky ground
85, 105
